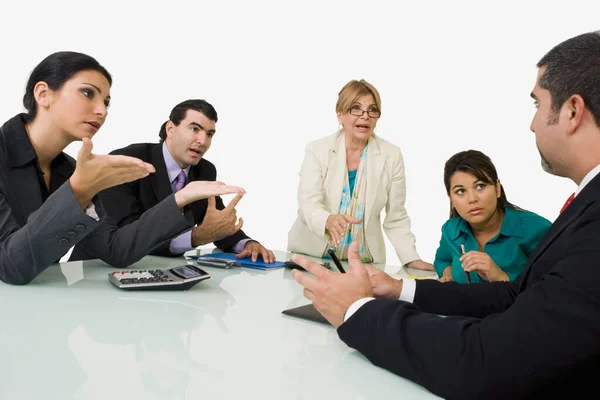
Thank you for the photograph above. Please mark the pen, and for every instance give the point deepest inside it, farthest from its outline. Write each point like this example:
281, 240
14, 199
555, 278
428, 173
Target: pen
462, 253
336, 260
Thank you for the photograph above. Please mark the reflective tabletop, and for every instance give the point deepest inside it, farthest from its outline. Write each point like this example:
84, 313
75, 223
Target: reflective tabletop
70, 334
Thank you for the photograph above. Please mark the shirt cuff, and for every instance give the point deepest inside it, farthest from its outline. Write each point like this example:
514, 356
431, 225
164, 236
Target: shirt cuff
409, 287
90, 211
356, 305
239, 246
181, 243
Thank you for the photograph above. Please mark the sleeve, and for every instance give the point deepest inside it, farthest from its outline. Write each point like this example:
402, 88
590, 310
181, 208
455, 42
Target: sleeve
397, 223
311, 203
492, 356
123, 246
123, 206
50, 231
443, 255
181, 243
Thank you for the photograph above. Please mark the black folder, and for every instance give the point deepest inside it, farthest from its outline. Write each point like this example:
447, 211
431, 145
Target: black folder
306, 312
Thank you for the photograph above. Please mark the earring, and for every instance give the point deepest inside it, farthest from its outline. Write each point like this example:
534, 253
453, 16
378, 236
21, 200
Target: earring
340, 128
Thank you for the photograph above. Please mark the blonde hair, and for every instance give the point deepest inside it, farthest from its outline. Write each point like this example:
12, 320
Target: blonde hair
352, 91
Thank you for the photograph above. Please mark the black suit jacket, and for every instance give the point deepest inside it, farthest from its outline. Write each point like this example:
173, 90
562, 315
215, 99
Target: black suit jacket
127, 202
537, 336
38, 225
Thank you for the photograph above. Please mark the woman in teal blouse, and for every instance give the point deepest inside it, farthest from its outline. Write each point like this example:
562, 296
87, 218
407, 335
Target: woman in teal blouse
498, 237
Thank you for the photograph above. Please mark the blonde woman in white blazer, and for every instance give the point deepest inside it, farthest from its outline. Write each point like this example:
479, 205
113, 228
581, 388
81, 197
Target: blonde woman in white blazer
346, 180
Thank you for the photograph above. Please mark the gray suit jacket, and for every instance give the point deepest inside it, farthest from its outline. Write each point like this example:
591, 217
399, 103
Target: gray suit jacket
38, 225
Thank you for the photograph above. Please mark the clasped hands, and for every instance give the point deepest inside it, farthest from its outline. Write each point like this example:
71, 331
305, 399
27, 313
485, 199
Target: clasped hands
479, 262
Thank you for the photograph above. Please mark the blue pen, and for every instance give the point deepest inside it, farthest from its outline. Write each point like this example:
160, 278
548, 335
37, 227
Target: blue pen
462, 253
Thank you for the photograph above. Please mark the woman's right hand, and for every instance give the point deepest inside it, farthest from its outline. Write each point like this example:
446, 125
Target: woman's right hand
336, 226
94, 173
198, 190
447, 275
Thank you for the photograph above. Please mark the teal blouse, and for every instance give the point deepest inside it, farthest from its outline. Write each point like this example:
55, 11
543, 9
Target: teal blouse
520, 233
351, 180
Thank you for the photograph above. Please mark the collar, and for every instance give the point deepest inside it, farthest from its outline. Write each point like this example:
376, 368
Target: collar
586, 179
511, 225
339, 143
173, 169
22, 151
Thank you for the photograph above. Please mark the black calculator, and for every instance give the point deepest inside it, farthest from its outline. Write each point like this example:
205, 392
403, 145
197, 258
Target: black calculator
177, 278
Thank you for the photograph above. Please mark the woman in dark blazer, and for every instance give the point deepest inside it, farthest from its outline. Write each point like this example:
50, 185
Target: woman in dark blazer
48, 202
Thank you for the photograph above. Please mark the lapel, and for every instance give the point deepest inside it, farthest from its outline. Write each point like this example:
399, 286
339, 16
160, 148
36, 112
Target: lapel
375, 164
27, 195
337, 171
583, 200
159, 181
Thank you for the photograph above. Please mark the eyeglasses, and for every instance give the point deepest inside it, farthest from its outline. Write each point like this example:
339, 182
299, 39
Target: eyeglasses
359, 113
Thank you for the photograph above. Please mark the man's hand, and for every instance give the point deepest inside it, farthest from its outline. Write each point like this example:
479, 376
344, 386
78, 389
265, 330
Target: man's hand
333, 293
217, 224
198, 190
483, 264
254, 249
336, 225
94, 173
383, 285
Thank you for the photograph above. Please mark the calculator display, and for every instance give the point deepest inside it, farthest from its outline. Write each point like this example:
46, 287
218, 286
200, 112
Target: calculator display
185, 272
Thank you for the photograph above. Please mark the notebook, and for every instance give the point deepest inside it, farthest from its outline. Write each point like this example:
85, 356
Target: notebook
306, 312
246, 262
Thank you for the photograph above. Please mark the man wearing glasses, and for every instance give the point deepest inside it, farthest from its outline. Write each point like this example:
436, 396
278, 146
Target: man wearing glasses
178, 159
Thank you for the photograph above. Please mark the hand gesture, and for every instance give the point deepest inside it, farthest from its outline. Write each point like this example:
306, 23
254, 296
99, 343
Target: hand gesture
198, 190
217, 224
254, 249
383, 285
94, 173
333, 293
484, 266
336, 225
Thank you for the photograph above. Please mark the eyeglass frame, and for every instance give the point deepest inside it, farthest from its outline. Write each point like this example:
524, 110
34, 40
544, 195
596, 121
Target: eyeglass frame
363, 112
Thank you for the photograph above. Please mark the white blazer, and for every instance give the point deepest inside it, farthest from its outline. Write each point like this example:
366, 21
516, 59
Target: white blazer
320, 191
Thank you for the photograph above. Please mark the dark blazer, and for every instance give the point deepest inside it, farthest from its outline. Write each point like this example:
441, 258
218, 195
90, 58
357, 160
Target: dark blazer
127, 202
38, 225
538, 336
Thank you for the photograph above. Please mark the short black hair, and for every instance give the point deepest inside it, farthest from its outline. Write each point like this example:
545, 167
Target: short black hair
573, 67
55, 70
179, 112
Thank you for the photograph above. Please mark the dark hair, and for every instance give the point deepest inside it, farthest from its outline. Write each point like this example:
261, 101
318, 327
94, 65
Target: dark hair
573, 67
179, 112
481, 166
55, 70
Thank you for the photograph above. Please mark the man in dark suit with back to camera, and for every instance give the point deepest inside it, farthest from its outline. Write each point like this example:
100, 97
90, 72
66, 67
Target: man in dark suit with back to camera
178, 159
536, 337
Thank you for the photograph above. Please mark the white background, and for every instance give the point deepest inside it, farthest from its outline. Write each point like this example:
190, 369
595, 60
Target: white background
453, 75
